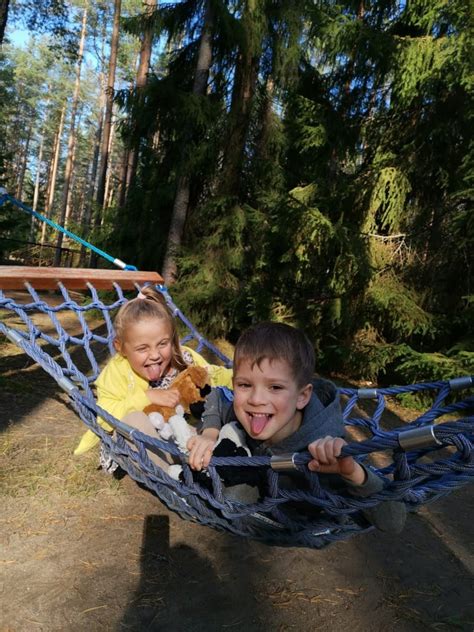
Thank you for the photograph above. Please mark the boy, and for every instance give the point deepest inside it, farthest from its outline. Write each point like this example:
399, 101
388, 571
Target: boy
283, 409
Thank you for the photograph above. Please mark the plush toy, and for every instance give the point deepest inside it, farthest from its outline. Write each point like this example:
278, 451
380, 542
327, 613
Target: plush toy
192, 384
240, 483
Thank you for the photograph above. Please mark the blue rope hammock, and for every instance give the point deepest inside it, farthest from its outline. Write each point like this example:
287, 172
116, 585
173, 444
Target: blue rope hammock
428, 458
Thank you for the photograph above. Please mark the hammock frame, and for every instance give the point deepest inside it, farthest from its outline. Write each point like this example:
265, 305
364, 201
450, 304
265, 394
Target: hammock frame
412, 476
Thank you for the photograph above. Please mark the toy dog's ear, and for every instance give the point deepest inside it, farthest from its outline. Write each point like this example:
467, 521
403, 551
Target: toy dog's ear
205, 390
196, 409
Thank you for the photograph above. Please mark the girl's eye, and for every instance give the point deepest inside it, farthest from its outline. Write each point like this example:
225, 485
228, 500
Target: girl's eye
276, 387
164, 343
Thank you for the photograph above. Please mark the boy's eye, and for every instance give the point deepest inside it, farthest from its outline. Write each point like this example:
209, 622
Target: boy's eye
276, 387
242, 385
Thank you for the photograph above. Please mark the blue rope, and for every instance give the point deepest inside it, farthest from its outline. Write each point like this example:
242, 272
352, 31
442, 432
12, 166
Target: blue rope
414, 476
5, 197
193, 335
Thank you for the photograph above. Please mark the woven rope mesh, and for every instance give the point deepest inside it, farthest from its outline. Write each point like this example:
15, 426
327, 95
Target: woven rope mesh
70, 335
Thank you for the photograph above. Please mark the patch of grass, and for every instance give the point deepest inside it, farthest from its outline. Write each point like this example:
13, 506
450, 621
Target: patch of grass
37, 466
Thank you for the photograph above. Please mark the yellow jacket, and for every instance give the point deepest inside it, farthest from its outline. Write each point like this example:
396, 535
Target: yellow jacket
121, 391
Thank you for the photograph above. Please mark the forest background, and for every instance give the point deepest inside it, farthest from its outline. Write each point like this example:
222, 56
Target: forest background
309, 162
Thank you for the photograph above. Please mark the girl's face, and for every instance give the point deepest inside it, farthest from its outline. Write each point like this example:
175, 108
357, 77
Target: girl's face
147, 346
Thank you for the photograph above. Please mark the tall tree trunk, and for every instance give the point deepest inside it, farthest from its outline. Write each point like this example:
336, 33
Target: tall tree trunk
141, 80
104, 150
181, 201
69, 205
72, 138
123, 177
22, 165
53, 172
245, 81
3, 18
37, 182
110, 169
266, 120
105, 140
86, 220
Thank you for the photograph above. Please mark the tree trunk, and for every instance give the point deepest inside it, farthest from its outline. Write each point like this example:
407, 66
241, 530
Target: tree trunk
3, 18
246, 74
109, 178
22, 165
36, 192
72, 139
106, 130
266, 118
104, 150
86, 220
181, 201
141, 80
53, 172
69, 205
123, 177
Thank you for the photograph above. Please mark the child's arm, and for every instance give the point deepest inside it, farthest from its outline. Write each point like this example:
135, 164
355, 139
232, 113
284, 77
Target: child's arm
388, 516
201, 448
327, 459
168, 397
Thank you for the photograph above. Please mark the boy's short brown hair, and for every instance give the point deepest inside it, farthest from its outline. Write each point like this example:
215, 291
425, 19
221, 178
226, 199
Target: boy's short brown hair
277, 341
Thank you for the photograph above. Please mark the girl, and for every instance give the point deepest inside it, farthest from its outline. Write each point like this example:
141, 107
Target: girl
148, 359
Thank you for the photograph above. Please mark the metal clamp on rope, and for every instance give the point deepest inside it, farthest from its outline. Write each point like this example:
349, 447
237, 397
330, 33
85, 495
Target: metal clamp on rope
418, 438
14, 336
119, 263
123, 429
66, 384
283, 462
458, 383
367, 393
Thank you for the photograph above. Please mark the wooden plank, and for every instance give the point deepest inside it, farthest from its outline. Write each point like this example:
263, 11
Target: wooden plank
14, 278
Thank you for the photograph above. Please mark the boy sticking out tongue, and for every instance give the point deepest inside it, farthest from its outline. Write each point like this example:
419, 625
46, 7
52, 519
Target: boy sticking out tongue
282, 408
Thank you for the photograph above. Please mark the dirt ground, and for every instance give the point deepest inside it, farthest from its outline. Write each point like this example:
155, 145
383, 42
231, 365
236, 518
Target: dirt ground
83, 551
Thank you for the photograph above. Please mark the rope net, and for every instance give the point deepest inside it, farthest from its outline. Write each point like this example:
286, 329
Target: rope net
421, 461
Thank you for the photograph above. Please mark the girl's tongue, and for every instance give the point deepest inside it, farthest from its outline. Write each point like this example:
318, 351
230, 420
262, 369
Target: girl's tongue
258, 423
153, 371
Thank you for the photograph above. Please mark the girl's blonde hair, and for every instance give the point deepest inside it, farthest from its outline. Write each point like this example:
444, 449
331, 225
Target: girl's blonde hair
149, 304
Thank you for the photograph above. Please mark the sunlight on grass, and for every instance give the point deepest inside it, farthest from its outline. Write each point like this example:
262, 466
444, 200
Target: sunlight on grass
36, 466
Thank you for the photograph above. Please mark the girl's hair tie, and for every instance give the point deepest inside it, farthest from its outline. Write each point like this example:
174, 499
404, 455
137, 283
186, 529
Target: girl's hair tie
141, 295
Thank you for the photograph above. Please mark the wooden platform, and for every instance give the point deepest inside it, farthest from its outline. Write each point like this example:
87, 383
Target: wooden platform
15, 277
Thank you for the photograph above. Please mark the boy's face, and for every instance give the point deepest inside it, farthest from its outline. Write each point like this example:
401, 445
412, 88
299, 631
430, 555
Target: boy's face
147, 346
267, 400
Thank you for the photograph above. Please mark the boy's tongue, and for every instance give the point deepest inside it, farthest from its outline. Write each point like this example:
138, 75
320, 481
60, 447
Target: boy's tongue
258, 423
153, 372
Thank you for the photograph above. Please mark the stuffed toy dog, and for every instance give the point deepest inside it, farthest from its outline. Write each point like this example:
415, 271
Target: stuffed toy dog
193, 386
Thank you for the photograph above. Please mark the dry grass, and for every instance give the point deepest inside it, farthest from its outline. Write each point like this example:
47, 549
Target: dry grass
35, 465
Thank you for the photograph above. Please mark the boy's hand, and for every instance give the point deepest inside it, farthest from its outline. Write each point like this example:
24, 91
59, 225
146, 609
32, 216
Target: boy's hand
168, 397
200, 450
326, 453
